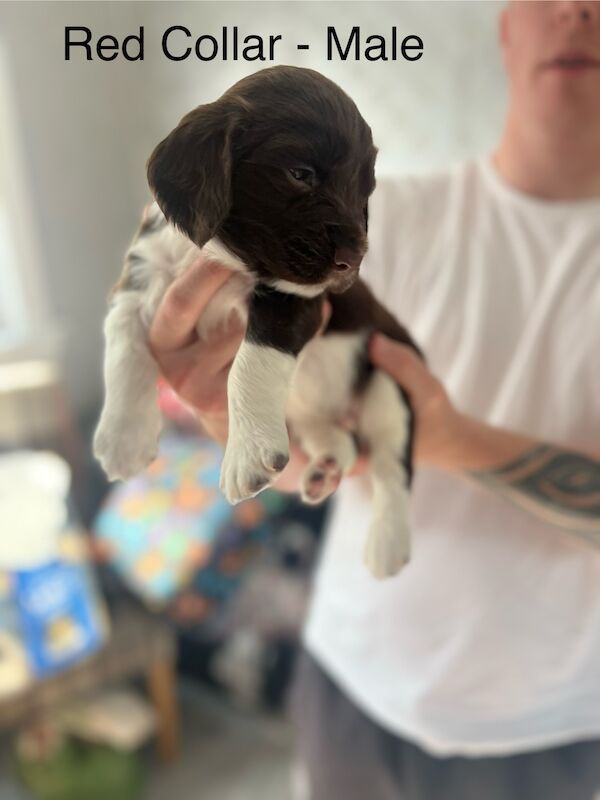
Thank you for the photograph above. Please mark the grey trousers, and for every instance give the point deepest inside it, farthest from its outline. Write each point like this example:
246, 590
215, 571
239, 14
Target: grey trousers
349, 757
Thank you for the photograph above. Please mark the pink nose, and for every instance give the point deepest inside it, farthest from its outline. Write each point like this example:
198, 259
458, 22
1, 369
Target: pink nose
346, 259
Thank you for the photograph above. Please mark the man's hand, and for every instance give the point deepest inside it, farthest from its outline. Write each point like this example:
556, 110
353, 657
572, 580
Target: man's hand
444, 437
558, 485
438, 424
197, 370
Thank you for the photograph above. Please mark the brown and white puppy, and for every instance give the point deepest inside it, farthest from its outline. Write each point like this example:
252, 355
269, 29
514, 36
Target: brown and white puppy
271, 180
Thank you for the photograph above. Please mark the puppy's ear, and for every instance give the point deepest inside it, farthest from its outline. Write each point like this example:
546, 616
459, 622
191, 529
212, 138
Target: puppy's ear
189, 172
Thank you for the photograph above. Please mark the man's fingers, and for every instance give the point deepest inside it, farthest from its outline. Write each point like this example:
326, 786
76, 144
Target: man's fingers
202, 360
360, 466
183, 304
218, 353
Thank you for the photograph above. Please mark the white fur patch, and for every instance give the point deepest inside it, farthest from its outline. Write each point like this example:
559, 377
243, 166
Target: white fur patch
321, 404
321, 401
384, 424
323, 382
257, 444
126, 438
215, 250
127, 435
302, 290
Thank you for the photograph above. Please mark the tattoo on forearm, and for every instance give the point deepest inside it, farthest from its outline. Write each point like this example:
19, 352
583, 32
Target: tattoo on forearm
558, 485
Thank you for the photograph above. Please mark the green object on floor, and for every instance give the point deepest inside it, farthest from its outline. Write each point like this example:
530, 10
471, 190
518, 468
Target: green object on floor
77, 771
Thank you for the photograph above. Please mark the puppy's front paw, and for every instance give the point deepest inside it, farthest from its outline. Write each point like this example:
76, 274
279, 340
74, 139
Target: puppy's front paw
249, 466
125, 446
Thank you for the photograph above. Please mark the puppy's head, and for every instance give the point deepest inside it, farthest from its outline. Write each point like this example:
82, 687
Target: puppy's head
280, 168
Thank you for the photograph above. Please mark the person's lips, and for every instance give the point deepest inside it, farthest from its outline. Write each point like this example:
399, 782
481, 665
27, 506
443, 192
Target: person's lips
572, 62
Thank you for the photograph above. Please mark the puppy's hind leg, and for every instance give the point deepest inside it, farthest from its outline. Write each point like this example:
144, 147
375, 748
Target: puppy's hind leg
126, 438
386, 425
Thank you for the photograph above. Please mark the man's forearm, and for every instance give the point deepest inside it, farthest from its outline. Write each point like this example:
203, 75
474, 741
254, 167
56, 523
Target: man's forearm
556, 484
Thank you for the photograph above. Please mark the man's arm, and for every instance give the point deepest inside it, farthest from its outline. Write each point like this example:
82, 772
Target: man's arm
557, 484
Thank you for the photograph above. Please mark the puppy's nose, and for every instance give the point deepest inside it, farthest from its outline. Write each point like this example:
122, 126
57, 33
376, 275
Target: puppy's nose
347, 259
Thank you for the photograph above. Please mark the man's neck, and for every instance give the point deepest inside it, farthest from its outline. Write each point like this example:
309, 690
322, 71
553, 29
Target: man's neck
550, 162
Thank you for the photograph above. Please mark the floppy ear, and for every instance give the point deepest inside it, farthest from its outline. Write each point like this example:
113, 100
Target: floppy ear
189, 172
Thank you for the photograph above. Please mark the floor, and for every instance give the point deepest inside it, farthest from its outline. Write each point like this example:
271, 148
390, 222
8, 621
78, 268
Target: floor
227, 754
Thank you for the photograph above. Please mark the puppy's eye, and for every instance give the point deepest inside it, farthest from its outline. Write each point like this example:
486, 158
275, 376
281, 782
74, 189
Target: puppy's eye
303, 175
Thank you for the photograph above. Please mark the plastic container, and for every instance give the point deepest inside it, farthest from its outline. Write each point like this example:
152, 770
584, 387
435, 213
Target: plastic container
33, 507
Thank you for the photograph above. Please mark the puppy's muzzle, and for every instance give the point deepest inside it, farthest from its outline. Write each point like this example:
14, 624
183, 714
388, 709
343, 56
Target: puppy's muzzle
345, 270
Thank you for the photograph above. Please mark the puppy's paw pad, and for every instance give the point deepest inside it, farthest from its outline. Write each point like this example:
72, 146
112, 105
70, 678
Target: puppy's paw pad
257, 484
321, 478
276, 462
247, 470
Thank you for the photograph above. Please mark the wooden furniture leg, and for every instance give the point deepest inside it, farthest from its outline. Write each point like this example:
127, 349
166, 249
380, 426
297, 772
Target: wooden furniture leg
161, 688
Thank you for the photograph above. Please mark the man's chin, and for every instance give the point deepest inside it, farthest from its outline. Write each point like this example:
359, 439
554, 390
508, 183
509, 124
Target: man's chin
562, 100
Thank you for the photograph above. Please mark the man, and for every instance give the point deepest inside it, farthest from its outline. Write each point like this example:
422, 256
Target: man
476, 672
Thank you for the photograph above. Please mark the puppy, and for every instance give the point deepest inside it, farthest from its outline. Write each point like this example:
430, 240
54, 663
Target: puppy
271, 180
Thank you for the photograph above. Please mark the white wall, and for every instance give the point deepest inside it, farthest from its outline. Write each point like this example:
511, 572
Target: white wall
87, 128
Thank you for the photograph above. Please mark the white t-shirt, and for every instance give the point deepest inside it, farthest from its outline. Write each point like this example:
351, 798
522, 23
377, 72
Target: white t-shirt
488, 642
